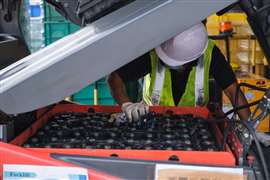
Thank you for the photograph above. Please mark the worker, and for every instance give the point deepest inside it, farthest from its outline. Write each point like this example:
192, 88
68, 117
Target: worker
177, 74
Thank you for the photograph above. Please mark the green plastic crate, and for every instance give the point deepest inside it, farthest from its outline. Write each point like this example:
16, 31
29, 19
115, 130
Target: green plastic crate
51, 15
103, 101
56, 26
86, 95
87, 92
56, 30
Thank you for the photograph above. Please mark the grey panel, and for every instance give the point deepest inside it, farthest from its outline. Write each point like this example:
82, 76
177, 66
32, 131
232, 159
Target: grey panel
70, 64
130, 168
122, 168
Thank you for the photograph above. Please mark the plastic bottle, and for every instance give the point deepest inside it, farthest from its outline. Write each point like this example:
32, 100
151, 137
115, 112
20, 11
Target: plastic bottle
36, 26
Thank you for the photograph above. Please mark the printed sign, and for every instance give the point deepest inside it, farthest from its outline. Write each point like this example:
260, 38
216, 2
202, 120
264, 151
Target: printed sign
175, 172
29, 172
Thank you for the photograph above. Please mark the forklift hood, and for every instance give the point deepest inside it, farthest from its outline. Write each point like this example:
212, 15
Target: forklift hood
101, 47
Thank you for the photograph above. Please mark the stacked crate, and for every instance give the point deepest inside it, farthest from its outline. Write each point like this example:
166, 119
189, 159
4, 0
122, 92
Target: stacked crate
56, 26
244, 50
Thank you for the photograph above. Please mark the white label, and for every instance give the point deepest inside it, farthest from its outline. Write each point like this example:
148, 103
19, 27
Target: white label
29, 172
164, 172
35, 2
1, 132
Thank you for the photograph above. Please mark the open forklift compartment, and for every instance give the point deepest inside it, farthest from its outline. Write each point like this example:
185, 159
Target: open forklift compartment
13, 154
49, 75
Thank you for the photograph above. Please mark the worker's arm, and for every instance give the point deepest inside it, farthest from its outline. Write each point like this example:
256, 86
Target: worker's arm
240, 100
133, 71
133, 111
117, 88
225, 77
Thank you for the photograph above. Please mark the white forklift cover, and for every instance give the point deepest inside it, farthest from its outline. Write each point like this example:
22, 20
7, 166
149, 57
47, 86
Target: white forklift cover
68, 65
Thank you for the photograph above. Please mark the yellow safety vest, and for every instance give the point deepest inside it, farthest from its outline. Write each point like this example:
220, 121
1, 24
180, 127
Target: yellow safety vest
165, 96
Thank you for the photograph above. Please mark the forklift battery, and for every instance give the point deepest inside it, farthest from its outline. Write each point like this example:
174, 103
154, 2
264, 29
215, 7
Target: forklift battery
166, 134
98, 131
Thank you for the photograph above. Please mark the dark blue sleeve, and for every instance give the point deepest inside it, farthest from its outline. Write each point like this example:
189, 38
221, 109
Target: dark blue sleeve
221, 70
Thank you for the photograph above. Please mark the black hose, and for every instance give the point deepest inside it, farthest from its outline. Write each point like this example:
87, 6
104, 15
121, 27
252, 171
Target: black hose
253, 87
237, 94
251, 130
259, 148
242, 107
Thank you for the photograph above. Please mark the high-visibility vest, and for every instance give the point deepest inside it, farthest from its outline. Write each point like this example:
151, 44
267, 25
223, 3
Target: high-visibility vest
157, 88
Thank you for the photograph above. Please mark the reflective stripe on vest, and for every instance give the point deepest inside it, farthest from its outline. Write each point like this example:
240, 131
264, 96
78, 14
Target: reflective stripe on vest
195, 94
160, 75
199, 82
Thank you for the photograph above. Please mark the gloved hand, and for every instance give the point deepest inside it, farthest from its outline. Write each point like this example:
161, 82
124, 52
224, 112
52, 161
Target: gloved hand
134, 111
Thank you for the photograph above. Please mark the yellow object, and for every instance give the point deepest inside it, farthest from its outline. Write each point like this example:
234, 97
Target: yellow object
234, 66
253, 95
244, 50
237, 19
95, 96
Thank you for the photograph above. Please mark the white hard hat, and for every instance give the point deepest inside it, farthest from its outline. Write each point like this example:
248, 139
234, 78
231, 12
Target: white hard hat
185, 47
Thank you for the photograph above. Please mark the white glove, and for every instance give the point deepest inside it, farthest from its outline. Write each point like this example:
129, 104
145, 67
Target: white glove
134, 111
